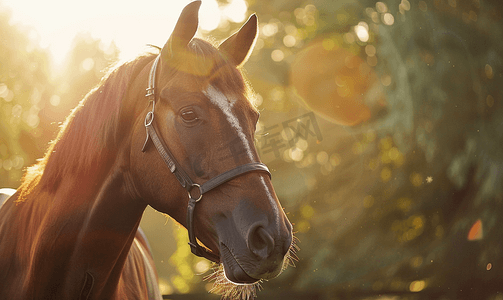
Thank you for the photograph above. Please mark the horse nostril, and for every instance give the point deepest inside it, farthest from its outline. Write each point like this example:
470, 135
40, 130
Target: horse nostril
260, 242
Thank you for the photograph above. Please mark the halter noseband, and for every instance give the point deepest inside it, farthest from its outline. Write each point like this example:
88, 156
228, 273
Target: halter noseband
195, 190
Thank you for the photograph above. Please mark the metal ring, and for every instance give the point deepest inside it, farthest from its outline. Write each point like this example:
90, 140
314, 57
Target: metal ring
147, 121
200, 192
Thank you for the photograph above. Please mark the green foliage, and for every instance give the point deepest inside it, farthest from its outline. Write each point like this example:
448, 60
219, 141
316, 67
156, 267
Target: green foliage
384, 206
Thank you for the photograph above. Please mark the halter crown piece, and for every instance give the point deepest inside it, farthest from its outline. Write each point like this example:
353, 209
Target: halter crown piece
195, 190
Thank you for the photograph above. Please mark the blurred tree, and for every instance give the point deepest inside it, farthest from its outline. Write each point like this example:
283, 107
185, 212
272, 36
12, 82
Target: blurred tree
31, 102
442, 65
88, 61
409, 200
25, 89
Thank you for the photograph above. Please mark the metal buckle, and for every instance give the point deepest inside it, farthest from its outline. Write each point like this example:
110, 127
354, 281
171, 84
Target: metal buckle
150, 92
200, 192
149, 118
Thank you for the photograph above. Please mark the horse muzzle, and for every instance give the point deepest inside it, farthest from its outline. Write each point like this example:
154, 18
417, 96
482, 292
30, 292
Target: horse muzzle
261, 255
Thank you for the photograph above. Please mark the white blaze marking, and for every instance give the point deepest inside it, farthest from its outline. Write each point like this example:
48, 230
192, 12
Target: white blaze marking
221, 101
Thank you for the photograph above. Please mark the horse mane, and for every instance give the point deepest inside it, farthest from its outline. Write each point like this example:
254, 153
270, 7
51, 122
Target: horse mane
89, 132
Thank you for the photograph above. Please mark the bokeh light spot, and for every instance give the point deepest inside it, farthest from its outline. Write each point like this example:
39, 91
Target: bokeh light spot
296, 154
370, 50
3, 90
372, 61
303, 226
277, 55
362, 32
88, 64
269, 29
416, 261
405, 5
202, 266
289, 40
335, 159
290, 29
489, 71
307, 211
349, 38
417, 286
17, 162
302, 144
55, 100
164, 287
386, 80
322, 157
388, 19
381, 7
404, 204
7, 165
180, 284
32, 120
476, 232
386, 143
393, 153
423, 6
416, 179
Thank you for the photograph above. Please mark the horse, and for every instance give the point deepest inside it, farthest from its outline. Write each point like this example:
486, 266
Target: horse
71, 230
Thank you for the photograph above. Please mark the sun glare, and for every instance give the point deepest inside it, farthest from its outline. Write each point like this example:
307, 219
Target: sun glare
55, 23
212, 15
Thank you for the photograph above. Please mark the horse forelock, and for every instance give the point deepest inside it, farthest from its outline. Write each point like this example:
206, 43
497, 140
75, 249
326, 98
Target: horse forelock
90, 133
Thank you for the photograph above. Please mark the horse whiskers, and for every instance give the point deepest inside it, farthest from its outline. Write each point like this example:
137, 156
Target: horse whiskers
233, 291
291, 256
230, 290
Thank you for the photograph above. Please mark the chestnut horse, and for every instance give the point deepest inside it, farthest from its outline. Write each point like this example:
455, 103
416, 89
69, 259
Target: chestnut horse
71, 230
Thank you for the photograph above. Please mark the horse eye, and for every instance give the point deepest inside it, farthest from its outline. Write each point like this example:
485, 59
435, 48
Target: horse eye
189, 116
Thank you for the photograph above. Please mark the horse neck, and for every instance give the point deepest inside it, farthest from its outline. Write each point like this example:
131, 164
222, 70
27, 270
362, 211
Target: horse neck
76, 216
85, 231
89, 223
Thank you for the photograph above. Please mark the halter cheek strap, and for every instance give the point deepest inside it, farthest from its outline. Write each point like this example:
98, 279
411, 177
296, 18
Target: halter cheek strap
195, 191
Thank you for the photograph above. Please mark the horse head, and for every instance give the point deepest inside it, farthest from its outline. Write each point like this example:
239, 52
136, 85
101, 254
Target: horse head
204, 116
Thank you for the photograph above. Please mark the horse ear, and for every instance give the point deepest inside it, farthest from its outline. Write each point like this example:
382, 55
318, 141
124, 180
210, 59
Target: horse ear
239, 46
184, 31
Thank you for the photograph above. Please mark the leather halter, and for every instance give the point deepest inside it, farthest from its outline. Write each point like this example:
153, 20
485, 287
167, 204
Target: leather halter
195, 190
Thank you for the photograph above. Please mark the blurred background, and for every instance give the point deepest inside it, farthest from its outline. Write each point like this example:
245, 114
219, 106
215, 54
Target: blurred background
382, 123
